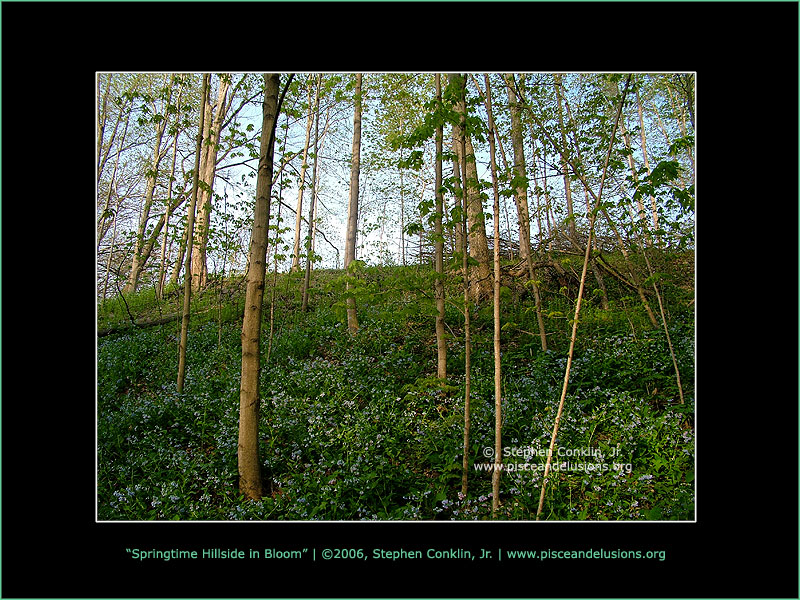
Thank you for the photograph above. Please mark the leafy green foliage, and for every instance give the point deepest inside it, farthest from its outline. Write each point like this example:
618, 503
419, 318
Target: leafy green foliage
357, 427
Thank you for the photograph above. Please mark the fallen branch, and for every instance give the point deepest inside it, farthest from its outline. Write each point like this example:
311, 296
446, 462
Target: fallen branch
143, 323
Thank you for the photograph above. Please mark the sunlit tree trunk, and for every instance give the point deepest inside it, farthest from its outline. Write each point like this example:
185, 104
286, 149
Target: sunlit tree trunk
438, 286
588, 251
250, 479
105, 213
352, 212
481, 285
208, 170
187, 288
521, 196
168, 211
312, 204
302, 184
462, 154
498, 413
139, 257
564, 163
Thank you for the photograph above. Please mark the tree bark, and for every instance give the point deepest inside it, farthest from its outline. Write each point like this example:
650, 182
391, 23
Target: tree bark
352, 212
208, 171
303, 169
139, 258
441, 343
481, 285
498, 413
250, 480
564, 162
307, 278
521, 197
187, 288
587, 254
462, 153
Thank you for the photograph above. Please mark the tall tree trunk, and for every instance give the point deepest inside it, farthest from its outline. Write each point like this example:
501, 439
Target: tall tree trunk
303, 168
521, 196
187, 288
462, 153
460, 242
162, 265
208, 171
102, 228
498, 413
250, 480
438, 285
352, 212
592, 216
643, 138
564, 163
307, 278
139, 258
111, 248
481, 285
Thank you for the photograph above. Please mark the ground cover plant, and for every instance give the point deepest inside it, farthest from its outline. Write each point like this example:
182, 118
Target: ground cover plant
357, 427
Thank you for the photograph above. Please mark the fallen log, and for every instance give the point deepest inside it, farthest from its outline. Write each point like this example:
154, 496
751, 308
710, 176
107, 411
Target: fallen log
143, 323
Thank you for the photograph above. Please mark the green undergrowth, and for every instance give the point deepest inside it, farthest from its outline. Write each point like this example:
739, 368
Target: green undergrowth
358, 428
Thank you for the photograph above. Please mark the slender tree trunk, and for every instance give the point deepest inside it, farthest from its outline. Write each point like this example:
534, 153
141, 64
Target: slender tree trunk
307, 279
498, 413
461, 244
462, 84
402, 216
564, 163
643, 138
111, 248
592, 217
666, 329
521, 196
250, 479
139, 258
101, 226
438, 286
162, 266
303, 169
593, 263
352, 212
176, 270
187, 288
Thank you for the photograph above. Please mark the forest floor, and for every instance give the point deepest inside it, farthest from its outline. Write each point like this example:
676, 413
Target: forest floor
357, 427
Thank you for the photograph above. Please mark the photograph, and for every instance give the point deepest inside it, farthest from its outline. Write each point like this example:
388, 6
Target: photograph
395, 296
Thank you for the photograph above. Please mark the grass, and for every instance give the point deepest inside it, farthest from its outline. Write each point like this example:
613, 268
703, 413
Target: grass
357, 428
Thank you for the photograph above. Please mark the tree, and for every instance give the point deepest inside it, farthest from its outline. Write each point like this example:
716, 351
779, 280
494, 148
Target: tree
564, 161
498, 413
352, 212
187, 289
458, 87
250, 479
302, 183
312, 204
160, 121
481, 284
592, 214
520, 184
441, 343
208, 169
